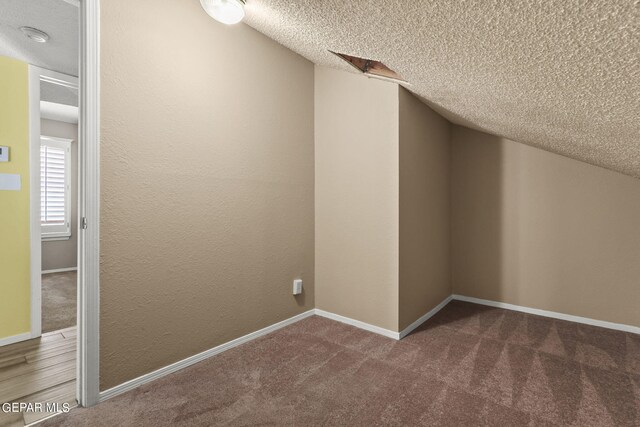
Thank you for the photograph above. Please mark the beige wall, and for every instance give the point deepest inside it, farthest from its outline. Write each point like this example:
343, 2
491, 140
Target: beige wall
63, 253
356, 157
208, 198
541, 230
424, 209
207, 172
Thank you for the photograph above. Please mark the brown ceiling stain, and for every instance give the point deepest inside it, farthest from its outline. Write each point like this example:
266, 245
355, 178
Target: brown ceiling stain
561, 75
371, 67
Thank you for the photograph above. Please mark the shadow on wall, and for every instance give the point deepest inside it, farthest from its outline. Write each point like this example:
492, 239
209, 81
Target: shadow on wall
477, 189
540, 230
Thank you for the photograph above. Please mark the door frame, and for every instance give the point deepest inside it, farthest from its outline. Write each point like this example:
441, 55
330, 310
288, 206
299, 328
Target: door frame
88, 378
88, 302
88, 83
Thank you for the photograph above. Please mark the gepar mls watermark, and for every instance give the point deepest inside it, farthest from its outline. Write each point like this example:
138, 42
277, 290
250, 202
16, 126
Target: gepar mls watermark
35, 407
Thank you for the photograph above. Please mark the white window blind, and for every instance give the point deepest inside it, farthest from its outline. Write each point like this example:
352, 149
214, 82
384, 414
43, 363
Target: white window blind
55, 206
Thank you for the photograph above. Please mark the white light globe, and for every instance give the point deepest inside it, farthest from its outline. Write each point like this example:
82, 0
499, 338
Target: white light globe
226, 11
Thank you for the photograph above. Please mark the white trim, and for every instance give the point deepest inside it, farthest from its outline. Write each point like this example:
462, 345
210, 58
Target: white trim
15, 338
387, 79
59, 270
358, 324
36, 422
60, 231
406, 331
59, 112
75, 3
89, 206
151, 376
55, 239
34, 201
552, 314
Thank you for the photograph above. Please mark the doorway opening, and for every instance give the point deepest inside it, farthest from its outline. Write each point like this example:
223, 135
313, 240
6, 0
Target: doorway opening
42, 368
51, 355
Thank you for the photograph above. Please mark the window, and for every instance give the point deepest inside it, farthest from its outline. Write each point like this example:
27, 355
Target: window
55, 206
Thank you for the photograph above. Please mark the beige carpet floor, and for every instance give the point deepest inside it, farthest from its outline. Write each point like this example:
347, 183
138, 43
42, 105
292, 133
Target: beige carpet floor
469, 365
59, 295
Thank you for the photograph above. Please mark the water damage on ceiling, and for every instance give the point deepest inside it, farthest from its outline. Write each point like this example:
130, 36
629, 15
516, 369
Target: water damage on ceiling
561, 75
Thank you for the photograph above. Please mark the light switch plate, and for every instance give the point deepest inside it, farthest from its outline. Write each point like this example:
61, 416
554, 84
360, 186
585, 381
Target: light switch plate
297, 286
10, 182
4, 153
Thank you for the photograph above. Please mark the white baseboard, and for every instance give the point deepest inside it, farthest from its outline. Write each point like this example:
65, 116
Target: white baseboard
382, 331
130, 385
358, 324
15, 338
136, 382
59, 270
406, 331
552, 314
399, 335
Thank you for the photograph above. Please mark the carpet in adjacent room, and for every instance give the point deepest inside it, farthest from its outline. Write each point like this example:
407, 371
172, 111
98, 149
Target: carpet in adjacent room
59, 295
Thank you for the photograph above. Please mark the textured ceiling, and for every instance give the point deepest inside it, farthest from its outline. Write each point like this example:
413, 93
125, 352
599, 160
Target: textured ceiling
58, 18
562, 75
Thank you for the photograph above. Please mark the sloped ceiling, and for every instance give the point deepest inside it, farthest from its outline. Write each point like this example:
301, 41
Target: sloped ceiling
562, 75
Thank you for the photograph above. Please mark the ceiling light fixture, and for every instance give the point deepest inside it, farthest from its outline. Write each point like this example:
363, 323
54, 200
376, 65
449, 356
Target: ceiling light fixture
35, 34
226, 11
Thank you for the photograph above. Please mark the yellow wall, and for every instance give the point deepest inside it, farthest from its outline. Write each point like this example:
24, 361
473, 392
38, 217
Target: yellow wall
14, 205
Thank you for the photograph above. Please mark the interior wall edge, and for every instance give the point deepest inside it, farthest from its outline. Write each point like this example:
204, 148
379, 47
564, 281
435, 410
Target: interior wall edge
424, 208
356, 196
358, 324
406, 331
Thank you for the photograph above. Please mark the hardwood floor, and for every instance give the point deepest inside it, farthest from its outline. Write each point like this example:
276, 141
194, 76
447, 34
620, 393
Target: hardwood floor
41, 370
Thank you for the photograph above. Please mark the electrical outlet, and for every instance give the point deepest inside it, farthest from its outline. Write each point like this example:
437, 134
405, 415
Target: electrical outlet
297, 286
4, 154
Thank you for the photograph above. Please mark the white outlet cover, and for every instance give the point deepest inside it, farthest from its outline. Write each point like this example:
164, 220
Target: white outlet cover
4, 153
297, 286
